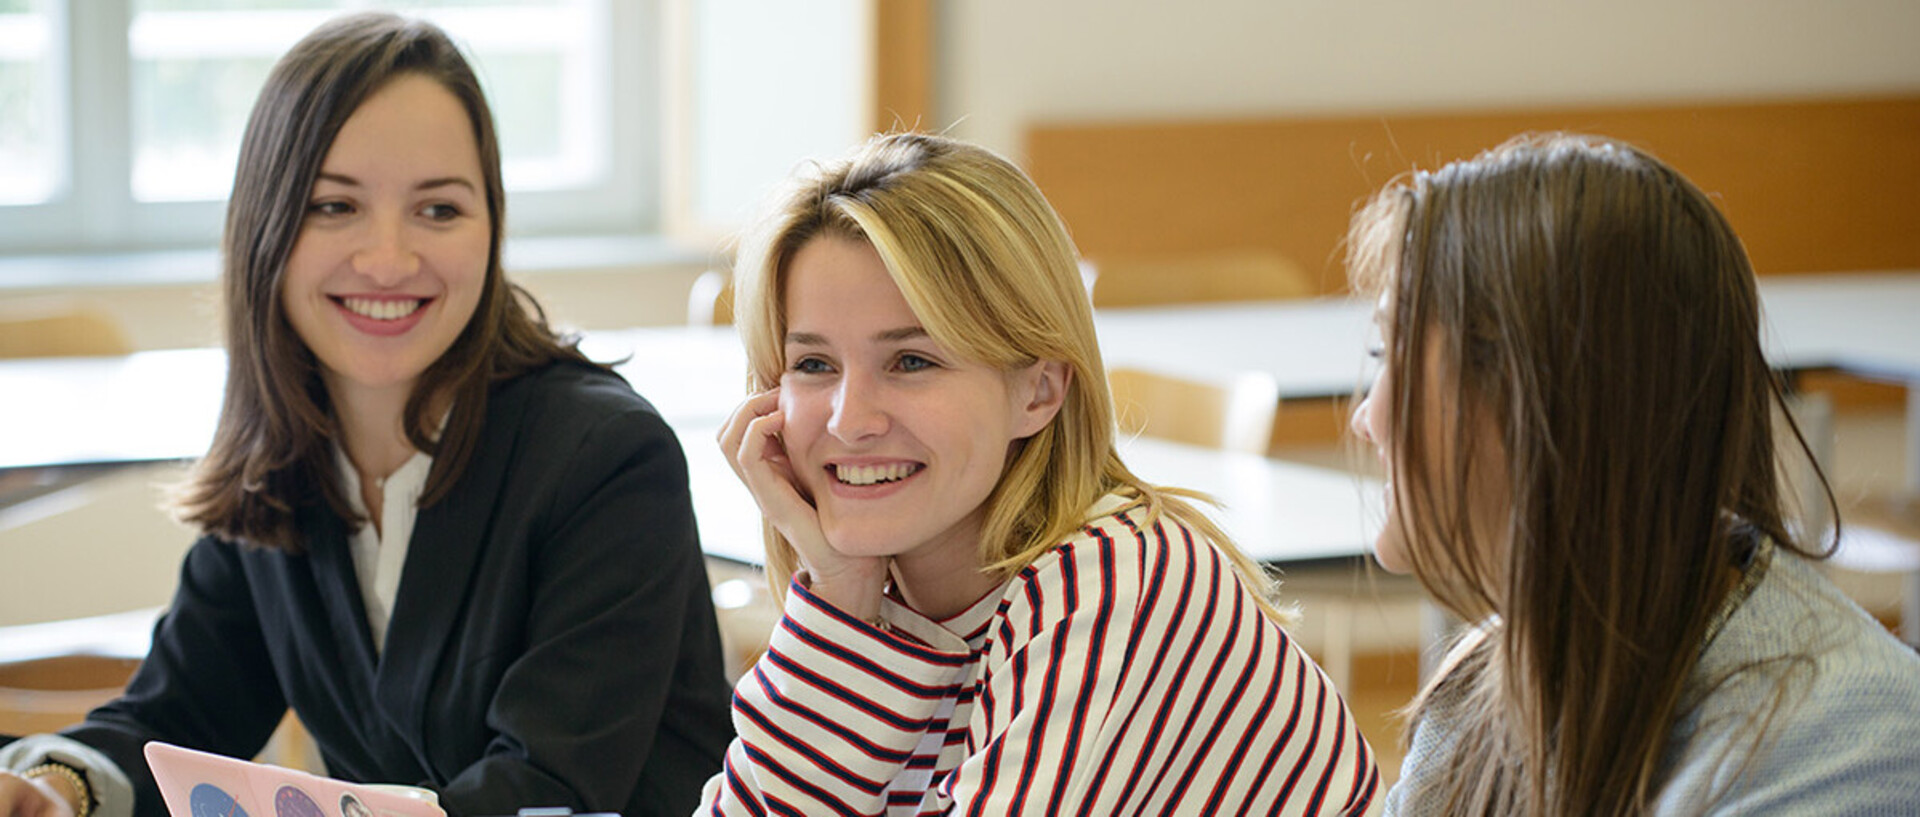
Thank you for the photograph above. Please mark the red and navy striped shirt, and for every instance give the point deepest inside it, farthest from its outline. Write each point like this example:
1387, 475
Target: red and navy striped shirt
1127, 671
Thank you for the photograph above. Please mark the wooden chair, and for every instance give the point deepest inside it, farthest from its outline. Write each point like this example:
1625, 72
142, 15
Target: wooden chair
1236, 415
52, 693
746, 613
53, 673
1222, 275
710, 301
57, 327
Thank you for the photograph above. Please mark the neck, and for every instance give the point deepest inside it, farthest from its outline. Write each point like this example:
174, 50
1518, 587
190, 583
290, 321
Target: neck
373, 429
942, 583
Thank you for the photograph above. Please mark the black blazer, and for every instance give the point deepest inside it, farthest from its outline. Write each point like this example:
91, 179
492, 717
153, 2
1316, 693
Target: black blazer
553, 642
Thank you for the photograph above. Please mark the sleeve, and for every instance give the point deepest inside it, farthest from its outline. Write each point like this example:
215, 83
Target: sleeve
208, 647
111, 790
619, 696
834, 710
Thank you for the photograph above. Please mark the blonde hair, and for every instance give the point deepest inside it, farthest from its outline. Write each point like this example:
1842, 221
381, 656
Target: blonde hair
987, 267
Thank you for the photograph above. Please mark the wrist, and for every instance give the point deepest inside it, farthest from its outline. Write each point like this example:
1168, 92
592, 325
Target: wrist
854, 593
65, 782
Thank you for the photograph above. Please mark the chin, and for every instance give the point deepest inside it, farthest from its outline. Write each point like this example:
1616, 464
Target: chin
863, 538
1390, 552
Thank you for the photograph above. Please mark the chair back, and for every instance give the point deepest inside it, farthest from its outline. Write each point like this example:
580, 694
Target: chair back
59, 328
1236, 415
710, 301
51, 693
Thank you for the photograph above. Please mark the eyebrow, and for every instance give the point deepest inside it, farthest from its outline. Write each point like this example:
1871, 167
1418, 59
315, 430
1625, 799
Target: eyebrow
428, 184
887, 336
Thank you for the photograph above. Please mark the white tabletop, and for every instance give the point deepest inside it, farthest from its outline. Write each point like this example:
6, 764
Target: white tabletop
147, 406
163, 405
1867, 323
1313, 348
1278, 512
1863, 323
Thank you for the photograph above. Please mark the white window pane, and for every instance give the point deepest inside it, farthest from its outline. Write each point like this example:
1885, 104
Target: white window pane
776, 82
547, 74
195, 74
198, 65
188, 117
30, 115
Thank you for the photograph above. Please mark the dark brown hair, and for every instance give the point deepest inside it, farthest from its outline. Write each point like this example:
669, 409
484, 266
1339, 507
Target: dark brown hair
272, 450
1590, 307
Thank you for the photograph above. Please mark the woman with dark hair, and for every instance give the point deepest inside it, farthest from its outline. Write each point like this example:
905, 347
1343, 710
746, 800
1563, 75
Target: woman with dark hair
463, 554
1577, 422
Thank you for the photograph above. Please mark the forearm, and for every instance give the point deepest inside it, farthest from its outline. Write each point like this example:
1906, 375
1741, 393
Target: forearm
833, 713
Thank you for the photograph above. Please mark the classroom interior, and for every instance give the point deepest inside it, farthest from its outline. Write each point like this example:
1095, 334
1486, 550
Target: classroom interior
1224, 135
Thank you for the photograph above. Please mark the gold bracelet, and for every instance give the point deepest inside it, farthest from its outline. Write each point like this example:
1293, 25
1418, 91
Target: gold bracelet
72, 777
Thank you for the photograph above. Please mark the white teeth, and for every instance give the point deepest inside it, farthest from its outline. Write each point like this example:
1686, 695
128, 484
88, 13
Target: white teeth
381, 310
871, 474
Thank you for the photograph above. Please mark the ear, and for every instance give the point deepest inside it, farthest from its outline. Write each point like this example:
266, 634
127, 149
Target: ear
1038, 391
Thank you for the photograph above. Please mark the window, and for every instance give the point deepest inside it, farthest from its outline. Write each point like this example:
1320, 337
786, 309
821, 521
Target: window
155, 95
27, 112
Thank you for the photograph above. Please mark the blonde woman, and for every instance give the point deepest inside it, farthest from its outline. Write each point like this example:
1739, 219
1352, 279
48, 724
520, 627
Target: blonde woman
1577, 420
988, 613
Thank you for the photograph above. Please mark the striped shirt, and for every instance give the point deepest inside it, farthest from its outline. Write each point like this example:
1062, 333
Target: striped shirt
1128, 671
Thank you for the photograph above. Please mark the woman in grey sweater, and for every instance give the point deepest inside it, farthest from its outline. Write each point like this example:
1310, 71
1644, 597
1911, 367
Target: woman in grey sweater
1576, 418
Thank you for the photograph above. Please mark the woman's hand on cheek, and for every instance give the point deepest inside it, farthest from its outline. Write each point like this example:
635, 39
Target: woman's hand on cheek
752, 444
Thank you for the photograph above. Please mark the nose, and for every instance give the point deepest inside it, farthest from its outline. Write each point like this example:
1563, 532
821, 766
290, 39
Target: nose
387, 256
857, 410
1357, 422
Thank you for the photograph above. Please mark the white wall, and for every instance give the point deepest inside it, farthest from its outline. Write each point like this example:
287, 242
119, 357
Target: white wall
1004, 64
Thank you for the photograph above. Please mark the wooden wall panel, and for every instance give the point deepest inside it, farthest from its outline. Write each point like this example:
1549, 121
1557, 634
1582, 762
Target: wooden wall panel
1811, 186
903, 65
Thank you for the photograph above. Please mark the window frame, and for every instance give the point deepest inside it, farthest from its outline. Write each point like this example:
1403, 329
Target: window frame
94, 211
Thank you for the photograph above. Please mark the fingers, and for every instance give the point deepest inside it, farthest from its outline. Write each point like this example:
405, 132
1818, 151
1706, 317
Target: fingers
762, 464
734, 432
20, 797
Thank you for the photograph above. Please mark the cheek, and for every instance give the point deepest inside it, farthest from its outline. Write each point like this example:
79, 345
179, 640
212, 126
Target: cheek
298, 296
463, 261
805, 416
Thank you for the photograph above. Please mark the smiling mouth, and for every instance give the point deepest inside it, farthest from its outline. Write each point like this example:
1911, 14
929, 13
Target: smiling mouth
873, 474
383, 309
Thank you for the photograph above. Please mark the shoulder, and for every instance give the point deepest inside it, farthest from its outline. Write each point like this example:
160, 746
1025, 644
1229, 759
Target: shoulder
1802, 696
1122, 565
1117, 542
1797, 628
566, 405
568, 389
567, 429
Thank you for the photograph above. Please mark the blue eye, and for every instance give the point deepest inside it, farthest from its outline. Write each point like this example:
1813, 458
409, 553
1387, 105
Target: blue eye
912, 363
810, 365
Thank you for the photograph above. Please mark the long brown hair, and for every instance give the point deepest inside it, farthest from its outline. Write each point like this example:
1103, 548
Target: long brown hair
985, 263
271, 452
1589, 306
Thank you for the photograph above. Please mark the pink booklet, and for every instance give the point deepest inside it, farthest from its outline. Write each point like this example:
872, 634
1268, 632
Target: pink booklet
199, 784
